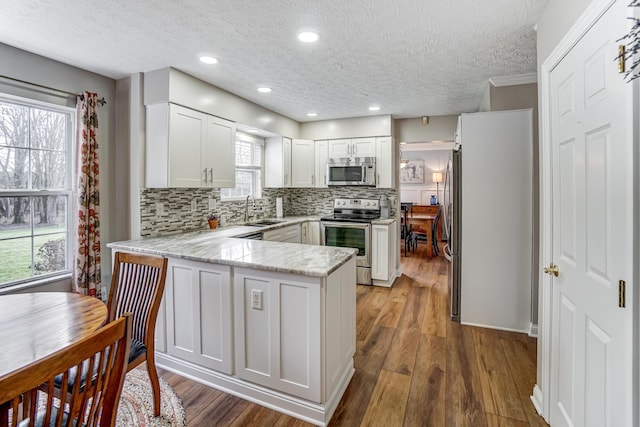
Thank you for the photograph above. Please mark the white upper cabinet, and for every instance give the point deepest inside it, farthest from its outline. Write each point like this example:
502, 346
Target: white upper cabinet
385, 162
356, 147
187, 148
220, 154
277, 162
363, 147
302, 163
321, 153
339, 148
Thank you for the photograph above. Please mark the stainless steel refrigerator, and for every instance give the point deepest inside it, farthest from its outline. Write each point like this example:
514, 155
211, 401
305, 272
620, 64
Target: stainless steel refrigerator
452, 205
488, 210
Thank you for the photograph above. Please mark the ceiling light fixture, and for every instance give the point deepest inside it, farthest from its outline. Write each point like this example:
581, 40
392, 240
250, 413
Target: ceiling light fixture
308, 36
208, 59
254, 131
374, 108
264, 89
312, 114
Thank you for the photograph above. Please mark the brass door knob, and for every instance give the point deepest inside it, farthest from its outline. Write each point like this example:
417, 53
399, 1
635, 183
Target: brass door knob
552, 269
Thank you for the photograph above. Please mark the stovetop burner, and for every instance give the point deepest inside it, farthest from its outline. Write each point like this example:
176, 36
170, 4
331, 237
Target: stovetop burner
354, 210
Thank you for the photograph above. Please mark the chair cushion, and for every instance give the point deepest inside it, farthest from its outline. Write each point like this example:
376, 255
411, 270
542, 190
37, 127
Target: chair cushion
137, 349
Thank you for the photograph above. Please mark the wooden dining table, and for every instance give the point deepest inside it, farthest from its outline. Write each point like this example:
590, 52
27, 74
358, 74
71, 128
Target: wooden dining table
423, 222
35, 325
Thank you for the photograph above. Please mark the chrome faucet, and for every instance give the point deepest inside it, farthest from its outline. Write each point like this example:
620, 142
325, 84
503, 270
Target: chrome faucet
246, 207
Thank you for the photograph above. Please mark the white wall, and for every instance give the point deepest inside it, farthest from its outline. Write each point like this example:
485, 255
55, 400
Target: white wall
555, 21
347, 128
439, 128
26, 66
434, 161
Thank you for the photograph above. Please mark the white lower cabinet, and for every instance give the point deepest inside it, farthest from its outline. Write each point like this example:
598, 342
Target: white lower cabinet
383, 257
284, 340
198, 313
278, 345
289, 234
301, 322
310, 232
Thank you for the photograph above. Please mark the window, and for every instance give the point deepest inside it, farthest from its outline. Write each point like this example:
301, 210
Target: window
248, 169
35, 189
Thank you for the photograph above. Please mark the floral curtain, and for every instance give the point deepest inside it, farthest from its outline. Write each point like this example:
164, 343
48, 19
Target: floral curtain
86, 268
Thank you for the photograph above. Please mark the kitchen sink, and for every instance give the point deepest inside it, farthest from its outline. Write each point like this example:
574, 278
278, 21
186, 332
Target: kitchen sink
264, 222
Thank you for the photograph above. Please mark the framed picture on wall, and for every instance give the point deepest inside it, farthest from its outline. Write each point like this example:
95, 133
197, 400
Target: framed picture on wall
413, 172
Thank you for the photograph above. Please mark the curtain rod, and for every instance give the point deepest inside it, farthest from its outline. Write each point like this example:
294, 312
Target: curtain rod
100, 101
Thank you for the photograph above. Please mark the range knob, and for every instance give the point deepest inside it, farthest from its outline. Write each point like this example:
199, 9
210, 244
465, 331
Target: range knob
368, 204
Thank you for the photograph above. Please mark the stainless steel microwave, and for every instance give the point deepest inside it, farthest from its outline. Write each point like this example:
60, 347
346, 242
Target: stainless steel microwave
352, 171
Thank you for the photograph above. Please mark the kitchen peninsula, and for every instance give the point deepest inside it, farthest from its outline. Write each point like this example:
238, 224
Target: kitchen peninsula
271, 322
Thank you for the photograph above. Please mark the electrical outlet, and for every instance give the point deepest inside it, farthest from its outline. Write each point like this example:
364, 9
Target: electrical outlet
159, 209
256, 299
194, 206
212, 204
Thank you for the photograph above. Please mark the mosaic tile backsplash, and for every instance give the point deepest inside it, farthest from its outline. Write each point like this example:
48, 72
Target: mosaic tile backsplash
178, 215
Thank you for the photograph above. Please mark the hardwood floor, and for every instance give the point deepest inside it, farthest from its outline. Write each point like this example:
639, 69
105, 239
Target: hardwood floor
414, 366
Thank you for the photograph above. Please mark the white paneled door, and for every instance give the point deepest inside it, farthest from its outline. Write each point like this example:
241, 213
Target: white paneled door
592, 245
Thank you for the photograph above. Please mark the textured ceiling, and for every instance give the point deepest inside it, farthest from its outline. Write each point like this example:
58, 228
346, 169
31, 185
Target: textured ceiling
410, 57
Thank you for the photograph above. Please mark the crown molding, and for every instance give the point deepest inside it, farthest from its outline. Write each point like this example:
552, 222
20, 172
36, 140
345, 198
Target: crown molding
520, 79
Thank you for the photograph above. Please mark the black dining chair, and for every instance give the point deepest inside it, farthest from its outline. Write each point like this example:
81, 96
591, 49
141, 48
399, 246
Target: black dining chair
406, 230
434, 232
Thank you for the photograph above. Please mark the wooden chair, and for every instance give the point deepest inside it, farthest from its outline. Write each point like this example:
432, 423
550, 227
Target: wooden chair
136, 287
93, 403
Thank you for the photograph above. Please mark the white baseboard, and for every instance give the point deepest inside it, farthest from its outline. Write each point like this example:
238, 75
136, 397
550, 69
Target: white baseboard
479, 325
536, 399
533, 330
311, 412
387, 283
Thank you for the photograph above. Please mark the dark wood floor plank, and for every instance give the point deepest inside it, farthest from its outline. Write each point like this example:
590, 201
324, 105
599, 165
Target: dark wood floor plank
401, 356
499, 390
368, 308
368, 362
463, 402
498, 421
389, 400
437, 314
426, 403
522, 366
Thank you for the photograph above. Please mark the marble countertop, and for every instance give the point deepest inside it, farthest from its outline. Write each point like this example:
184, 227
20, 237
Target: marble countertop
385, 221
221, 246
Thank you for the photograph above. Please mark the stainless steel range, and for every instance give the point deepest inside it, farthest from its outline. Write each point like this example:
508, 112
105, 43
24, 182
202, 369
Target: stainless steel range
350, 227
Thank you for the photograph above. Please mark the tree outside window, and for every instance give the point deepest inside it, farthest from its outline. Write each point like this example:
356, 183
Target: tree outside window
35, 141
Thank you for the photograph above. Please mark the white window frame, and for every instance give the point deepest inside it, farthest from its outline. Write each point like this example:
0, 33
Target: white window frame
70, 144
258, 185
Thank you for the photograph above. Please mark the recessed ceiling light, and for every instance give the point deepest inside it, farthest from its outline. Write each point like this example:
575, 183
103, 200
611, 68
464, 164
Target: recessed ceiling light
308, 36
264, 89
374, 108
208, 60
312, 114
